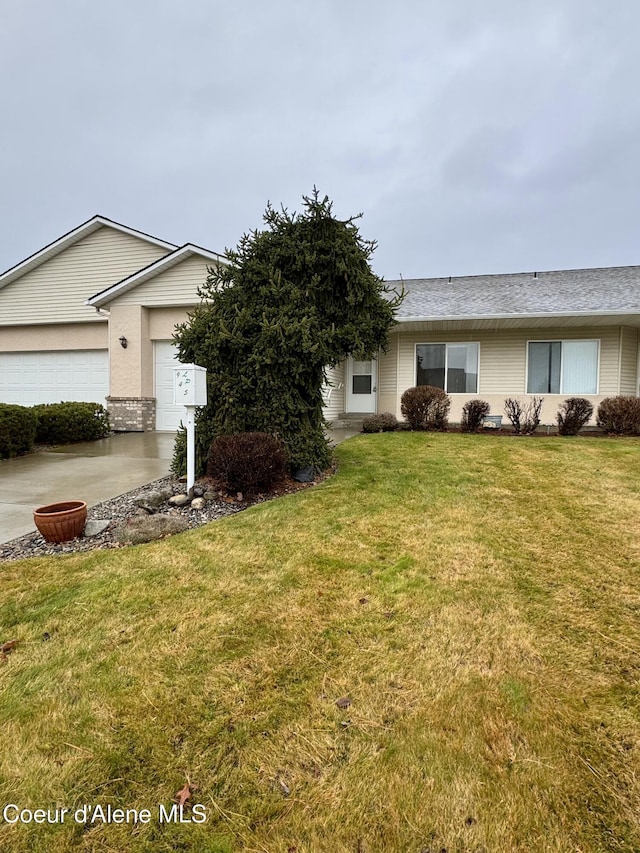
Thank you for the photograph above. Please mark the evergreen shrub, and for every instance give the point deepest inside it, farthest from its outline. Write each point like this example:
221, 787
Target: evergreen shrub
290, 301
17, 430
247, 462
619, 415
64, 423
473, 414
425, 407
203, 438
384, 422
573, 414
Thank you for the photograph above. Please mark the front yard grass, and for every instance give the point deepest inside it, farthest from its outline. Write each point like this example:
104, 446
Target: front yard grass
475, 598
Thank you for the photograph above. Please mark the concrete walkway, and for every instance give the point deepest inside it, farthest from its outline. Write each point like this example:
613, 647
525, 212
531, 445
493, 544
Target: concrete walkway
93, 472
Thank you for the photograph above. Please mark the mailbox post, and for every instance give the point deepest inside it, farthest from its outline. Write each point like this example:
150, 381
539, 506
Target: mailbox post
190, 390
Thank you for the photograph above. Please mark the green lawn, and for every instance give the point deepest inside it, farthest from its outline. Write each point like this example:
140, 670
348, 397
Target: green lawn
477, 598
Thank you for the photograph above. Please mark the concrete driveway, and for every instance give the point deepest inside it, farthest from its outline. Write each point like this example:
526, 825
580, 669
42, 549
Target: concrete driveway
93, 472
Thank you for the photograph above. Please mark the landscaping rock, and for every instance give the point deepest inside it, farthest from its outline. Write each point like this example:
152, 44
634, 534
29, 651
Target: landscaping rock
153, 499
198, 503
117, 510
304, 475
179, 500
147, 528
96, 527
198, 491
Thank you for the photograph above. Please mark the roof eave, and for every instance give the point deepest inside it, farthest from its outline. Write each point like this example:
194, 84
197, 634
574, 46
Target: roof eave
438, 318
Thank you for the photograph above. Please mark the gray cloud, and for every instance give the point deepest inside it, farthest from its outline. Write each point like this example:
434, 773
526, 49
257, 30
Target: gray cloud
474, 137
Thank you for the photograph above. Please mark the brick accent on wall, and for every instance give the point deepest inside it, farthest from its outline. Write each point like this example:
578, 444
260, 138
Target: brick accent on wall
132, 414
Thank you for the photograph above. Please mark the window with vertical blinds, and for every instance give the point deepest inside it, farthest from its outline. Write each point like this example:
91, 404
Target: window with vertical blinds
562, 367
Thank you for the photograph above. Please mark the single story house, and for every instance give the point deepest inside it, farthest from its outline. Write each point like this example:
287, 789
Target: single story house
91, 315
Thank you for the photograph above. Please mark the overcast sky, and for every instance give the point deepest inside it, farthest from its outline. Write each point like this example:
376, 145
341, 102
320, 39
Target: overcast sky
475, 137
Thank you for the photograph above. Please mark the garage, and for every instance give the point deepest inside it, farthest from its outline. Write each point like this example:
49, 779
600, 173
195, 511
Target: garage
168, 415
29, 378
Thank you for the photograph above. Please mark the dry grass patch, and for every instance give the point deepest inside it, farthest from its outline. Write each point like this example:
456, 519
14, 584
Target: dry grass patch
476, 601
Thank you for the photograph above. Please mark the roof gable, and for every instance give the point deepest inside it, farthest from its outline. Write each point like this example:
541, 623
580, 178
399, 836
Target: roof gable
55, 288
189, 250
69, 239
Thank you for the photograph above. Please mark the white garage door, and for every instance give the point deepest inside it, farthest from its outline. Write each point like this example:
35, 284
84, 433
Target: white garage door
168, 415
28, 378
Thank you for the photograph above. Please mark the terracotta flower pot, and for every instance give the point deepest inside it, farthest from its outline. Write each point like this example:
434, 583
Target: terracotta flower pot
61, 522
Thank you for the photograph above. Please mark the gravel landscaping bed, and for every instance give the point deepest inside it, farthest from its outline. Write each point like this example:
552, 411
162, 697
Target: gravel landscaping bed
118, 511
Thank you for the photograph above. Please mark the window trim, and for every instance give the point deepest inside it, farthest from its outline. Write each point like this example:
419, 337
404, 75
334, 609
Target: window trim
446, 344
562, 341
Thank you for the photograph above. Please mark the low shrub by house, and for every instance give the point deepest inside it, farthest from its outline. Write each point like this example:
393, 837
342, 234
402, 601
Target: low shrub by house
17, 430
62, 423
619, 415
473, 414
247, 462
524, 417
573, 414
425, 407
384, 422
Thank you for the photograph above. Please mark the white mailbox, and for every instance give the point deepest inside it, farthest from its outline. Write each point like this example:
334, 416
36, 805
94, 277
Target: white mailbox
190, 385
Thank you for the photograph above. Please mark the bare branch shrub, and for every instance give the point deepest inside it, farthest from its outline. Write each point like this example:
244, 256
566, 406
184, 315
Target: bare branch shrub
524, 417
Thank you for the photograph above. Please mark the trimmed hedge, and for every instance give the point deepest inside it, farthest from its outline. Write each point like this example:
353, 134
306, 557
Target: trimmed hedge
64, 423
573, 414
619, 415
247, 462
384, 422
425, 407
17, 430
473, 415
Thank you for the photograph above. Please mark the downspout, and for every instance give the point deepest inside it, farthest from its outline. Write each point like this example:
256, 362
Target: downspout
104, 312
619, 389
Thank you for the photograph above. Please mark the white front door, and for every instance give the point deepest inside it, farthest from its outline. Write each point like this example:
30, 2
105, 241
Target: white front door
168, 415
361, 386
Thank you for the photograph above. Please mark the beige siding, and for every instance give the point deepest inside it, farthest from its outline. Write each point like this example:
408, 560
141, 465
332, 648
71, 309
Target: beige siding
628, 360
177, 285
57, 289
70, 336
334, 405
502, 369
388, 376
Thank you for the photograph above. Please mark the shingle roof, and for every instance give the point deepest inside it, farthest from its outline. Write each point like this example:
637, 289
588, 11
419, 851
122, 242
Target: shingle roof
589, 291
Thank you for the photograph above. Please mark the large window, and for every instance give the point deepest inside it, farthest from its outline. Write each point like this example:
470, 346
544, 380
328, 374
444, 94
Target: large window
562, 367
453, 367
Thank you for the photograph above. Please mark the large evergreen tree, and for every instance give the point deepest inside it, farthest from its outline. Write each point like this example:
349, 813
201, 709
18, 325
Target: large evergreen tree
291, 300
